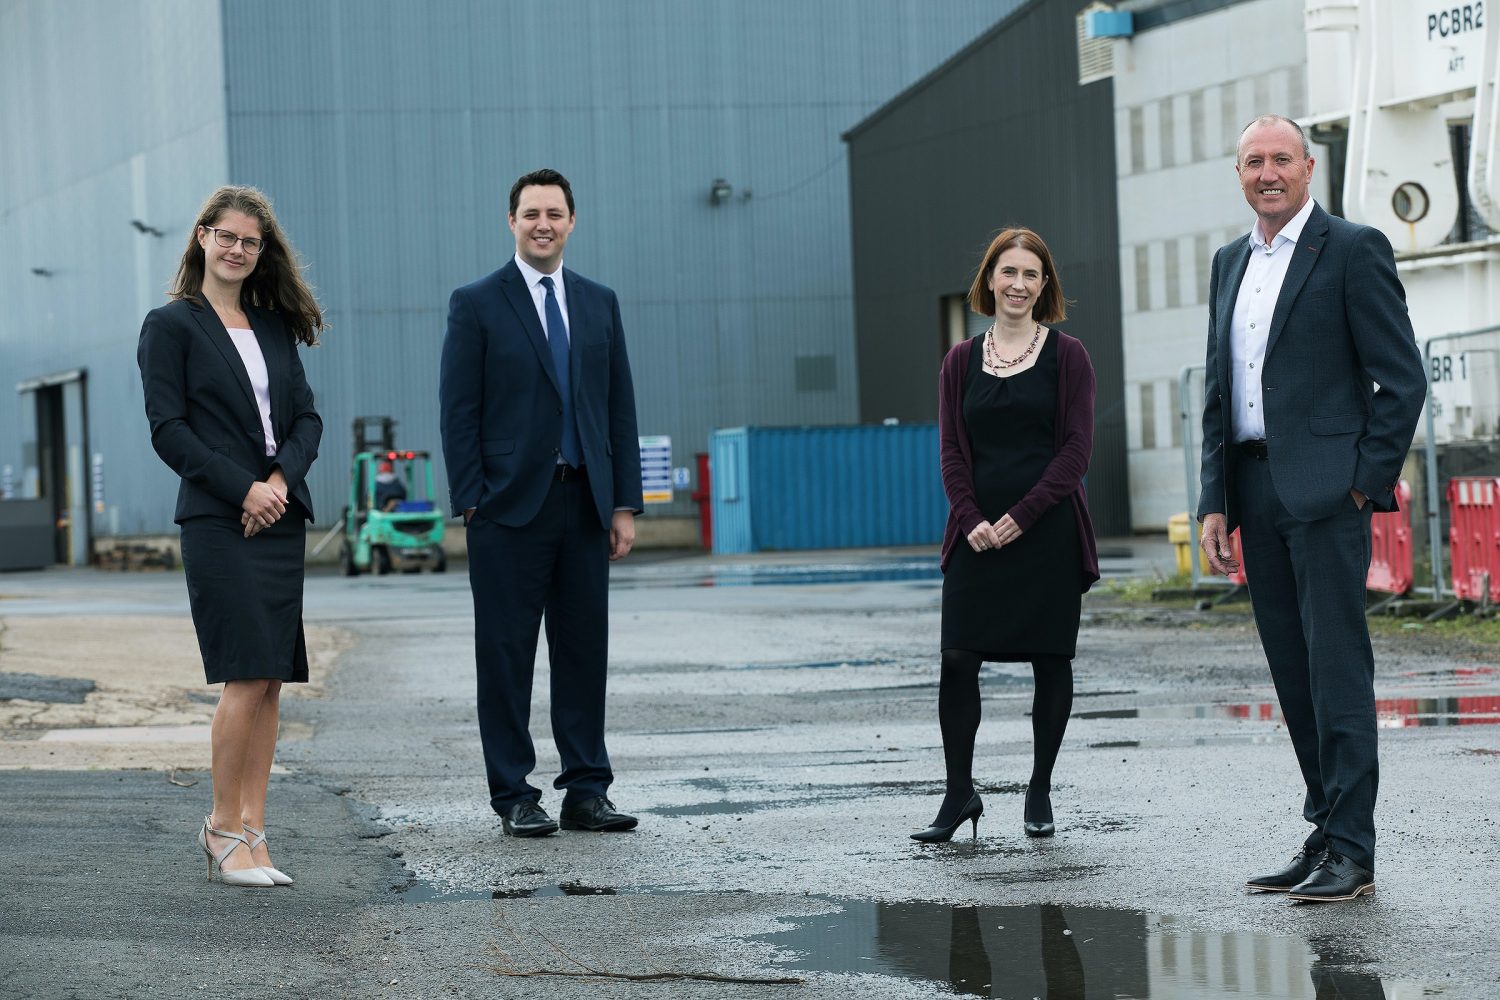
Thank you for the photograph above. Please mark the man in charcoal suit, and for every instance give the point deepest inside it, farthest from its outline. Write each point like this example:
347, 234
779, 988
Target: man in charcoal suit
1306, 318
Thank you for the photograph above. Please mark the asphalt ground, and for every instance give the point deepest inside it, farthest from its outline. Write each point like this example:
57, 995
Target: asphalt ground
773, 723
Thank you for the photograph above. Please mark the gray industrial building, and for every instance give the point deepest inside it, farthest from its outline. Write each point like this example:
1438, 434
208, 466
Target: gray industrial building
1009, 131
702, 138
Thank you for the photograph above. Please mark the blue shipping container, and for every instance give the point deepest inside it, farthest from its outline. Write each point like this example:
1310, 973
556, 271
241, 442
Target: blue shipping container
777, 488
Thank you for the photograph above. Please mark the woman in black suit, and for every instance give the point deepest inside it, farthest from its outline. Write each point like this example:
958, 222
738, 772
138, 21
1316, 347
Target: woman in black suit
232, 414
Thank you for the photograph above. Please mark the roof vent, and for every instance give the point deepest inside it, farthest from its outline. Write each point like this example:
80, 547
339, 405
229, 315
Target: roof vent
1096, 53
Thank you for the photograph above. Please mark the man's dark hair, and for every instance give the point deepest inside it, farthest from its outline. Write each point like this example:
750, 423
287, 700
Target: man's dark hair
542, 178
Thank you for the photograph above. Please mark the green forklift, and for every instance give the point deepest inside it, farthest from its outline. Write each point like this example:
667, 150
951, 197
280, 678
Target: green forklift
392, 521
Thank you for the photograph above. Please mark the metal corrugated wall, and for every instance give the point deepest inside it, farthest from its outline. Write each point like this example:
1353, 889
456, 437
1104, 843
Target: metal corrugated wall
1001, 135
388, 134
109, 112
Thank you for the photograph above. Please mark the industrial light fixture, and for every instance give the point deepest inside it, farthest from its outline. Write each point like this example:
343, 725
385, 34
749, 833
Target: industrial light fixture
141, 227
719, 191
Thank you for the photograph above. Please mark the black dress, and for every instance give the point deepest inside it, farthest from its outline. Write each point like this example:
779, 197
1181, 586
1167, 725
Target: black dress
1021, 601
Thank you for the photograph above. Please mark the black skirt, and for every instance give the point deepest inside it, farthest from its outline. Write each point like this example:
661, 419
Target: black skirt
1024, 600
246, 596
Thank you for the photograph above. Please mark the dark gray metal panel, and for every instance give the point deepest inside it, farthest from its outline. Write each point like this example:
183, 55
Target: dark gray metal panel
1004, 135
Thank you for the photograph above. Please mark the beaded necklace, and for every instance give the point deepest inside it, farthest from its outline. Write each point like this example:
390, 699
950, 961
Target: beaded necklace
992, 356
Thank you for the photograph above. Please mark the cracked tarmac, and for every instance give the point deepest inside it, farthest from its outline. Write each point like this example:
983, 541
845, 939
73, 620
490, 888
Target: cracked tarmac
778, 740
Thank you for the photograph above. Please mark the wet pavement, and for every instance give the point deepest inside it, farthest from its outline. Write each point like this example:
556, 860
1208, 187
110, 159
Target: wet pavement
778, 739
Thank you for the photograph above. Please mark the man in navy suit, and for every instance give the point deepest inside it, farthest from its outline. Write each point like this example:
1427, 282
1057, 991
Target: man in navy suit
539, 436
1306, 317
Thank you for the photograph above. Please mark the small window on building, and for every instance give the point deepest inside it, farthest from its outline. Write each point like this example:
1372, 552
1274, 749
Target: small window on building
1174, 392
815, 373
1142, 278
1148, 415
1203, 266
1174, 274
1197, 125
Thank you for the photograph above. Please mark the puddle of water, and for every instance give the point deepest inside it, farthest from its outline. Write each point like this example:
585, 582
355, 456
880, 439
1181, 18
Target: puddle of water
810, 793
922, 571
814, 665
1390, 713
1217, 740
795, 575
1459, 675
700, 732
426, 892
1071, 953
726, 808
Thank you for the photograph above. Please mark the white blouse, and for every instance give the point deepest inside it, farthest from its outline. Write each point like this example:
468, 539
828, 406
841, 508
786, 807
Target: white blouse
260, 381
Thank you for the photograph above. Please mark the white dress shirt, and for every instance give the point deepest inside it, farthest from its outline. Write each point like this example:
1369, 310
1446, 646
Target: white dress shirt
260, 381
539, 293
1251, 323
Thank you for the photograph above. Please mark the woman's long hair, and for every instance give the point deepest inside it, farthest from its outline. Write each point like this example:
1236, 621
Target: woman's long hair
276, 283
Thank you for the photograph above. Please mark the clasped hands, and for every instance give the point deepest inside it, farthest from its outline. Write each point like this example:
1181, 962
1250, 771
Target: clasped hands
993, 536
264, 504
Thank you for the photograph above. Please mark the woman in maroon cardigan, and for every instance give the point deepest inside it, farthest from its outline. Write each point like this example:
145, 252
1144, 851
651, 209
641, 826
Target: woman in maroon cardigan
1016, 418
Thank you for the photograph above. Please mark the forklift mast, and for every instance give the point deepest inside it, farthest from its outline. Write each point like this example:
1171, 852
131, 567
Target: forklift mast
365, 429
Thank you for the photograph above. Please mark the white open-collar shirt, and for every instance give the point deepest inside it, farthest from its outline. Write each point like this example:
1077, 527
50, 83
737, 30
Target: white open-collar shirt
1250, 325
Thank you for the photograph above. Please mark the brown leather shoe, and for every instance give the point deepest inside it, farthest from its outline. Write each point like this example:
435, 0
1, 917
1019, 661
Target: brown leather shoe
1301, 866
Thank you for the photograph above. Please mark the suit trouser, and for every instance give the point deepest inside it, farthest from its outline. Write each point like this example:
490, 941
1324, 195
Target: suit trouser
1307, 588
556, 568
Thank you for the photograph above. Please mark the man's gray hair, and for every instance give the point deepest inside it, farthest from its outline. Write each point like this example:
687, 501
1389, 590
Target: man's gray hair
1273, 120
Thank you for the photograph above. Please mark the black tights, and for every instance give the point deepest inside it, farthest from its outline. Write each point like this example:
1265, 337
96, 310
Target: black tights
958, 715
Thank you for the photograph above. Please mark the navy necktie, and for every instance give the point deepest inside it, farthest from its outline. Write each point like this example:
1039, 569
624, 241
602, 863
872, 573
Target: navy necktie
557, 340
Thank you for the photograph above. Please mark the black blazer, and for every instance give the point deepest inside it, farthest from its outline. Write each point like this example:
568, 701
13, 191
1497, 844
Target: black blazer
1340, 328
204, 420
501, 412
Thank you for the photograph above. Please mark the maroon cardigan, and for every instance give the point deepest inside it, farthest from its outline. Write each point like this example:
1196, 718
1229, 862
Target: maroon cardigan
1064, 476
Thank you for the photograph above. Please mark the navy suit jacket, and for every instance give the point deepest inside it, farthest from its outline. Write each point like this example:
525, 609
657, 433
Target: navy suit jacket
205, 423
502, 411
1340, 324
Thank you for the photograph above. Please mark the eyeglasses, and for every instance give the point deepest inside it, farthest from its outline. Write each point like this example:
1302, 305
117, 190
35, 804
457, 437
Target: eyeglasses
226, 239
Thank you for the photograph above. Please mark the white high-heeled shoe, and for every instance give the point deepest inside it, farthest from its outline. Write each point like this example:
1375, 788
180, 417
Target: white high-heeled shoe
258, 838
246, 877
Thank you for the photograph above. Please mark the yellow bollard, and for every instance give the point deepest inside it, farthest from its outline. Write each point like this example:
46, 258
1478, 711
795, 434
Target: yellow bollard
1180, 535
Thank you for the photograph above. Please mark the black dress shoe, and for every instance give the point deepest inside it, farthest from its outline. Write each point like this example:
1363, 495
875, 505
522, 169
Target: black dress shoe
941, 833
1038, 815
1295, 872
597, 814
527, 819
1334, 879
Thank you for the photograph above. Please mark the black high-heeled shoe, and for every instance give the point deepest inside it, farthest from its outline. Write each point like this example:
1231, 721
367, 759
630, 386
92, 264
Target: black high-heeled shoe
1039, 827
935, 834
